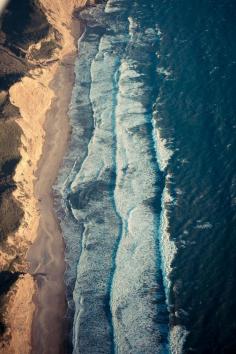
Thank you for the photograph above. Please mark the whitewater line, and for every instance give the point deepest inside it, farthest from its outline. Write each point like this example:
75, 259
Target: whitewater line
116, 78
168, 250
73, 230
162, 157
78, 313
123, 222
76, 180
67, 182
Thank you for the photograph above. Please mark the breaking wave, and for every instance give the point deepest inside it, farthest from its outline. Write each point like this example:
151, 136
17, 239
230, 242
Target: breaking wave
114, 190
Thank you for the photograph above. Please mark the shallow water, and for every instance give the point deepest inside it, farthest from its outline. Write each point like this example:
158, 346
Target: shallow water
148, 185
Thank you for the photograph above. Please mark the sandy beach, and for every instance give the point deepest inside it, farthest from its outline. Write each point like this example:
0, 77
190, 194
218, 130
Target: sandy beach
36, 307
46, 256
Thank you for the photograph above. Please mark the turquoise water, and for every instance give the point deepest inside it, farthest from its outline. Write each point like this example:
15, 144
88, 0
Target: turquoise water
148, 185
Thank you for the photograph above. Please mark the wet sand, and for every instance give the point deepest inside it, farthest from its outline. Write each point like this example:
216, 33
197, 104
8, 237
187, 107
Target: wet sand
46, 255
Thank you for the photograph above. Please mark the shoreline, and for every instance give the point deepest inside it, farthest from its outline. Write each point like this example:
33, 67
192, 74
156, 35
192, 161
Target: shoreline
35, 310
46, 255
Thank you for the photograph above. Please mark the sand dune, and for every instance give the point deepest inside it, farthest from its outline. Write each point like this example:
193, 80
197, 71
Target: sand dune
42, 98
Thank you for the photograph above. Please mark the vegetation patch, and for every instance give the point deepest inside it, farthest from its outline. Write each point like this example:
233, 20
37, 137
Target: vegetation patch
7, 279
46, 50
22, 25
11, 215
10, 134
7, 109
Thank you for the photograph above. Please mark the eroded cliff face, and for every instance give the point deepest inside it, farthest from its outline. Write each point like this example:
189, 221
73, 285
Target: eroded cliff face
31, 58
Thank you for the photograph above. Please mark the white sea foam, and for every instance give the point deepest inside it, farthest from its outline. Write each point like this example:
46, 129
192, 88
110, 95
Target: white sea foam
158, 32
113, 6
177, 339
203, 225
132, 306
133, 26
95, 210
128, 73
177, 334
165, 72
168, 248
100, 91
164, 152
135, 285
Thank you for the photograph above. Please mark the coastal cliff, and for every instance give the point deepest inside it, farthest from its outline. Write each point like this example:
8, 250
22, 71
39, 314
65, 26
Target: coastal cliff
37, 43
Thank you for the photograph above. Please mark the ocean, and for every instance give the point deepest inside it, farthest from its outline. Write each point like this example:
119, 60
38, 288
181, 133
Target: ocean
146, 196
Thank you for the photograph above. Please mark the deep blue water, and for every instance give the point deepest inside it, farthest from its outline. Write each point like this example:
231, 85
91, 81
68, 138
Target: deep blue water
148, 185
